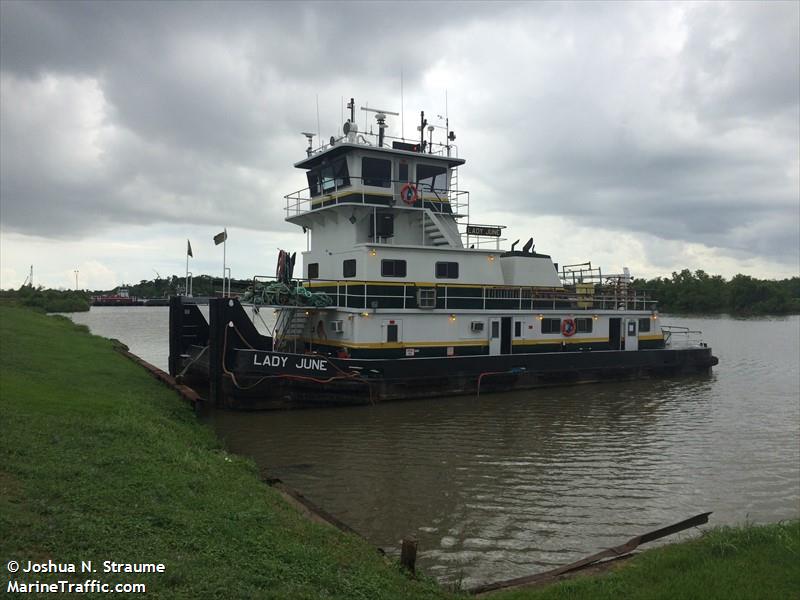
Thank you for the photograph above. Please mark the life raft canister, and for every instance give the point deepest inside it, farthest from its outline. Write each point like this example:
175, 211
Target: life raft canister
408, 193
568, 327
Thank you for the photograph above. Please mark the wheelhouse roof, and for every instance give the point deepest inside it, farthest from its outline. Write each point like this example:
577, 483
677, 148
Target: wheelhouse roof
345, 147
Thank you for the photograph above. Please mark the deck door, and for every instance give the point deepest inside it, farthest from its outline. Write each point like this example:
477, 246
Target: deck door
505, 335
614, 337
392, 330
494, 336
631, 334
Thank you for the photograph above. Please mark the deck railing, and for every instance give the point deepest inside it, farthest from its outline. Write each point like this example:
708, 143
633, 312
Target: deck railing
447, 201
676, 336
354, 294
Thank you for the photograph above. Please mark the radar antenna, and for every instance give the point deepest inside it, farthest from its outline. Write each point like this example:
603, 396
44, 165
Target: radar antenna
380, 116
310, 137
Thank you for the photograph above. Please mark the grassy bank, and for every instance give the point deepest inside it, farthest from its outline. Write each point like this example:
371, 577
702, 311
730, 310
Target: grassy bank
744, 563
98, 461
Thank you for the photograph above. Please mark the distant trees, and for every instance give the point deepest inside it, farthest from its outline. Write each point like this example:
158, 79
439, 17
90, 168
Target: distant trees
48, 300
699, 292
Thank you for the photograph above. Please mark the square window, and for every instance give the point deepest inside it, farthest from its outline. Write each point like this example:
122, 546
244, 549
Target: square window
349, 268
447, 270
313, 271
393, 268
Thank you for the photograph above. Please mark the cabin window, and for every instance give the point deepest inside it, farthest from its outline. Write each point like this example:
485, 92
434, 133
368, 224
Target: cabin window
495, 329
446, 270
426, 297
403, 176
349, 268
517, 328
431, 178
391, 333
393, 268
644, 325
313, 270
335, 176
376, 171
551, 325
583, 325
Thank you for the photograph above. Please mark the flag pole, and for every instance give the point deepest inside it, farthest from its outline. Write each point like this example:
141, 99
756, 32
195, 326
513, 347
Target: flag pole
224, 259
186, 284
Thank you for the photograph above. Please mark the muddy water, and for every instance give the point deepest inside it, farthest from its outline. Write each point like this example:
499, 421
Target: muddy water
510, 484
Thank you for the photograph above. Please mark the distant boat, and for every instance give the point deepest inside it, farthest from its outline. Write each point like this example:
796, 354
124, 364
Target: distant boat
121, 298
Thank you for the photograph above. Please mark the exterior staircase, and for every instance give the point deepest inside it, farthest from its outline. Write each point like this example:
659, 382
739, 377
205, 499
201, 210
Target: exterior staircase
439, 230
290, 328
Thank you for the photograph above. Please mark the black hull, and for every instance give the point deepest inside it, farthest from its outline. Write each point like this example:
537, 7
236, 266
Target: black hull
233, 366
436, 377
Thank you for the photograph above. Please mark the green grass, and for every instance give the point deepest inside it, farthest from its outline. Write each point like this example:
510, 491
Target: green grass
98, 461
746, 563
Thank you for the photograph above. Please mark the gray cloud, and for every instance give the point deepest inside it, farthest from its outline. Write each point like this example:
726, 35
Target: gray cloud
679, 121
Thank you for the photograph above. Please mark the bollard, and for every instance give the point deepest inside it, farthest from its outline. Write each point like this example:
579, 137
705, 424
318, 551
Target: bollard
408, 554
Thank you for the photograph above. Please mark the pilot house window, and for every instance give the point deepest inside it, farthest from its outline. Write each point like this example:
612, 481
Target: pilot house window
334, 176
376, 171
431, 178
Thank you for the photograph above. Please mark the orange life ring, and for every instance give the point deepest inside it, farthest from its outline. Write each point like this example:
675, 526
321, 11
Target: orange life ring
408, 193
568, 327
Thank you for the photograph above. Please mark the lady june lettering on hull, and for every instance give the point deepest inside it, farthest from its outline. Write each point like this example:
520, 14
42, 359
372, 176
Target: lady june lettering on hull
301, 363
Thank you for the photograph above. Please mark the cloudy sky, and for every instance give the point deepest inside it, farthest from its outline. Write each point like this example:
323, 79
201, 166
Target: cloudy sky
655, 136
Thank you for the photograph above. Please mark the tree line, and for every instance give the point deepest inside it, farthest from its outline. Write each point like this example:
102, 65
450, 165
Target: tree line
684, 292
699, 292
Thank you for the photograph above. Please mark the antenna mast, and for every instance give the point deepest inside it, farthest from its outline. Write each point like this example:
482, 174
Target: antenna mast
402, 110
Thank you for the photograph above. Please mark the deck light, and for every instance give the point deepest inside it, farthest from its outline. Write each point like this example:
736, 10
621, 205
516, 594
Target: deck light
365, 314
594, 317
373, 252
540, 317
491, 257
452, 317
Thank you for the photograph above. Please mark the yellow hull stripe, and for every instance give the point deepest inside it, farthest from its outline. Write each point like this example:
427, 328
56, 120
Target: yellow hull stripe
440, 344
344, 344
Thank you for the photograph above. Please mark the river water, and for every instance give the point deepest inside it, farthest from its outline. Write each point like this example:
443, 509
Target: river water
510, 484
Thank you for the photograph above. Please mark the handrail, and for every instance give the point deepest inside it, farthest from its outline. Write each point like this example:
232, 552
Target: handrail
526, 297
451, 202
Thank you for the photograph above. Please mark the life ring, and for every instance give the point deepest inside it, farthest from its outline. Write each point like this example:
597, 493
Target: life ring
568, 327
408, 193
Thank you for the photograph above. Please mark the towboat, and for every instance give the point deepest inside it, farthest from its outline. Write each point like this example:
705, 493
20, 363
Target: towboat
402, 296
